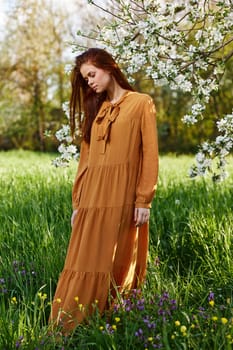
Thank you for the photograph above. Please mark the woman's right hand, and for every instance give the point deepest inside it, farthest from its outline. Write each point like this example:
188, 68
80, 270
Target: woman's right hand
73, 216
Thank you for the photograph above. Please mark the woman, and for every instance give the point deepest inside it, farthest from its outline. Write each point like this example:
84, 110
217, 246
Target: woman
113, 189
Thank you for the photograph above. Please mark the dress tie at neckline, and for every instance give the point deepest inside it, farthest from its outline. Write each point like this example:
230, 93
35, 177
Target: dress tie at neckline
106, 116
105, 119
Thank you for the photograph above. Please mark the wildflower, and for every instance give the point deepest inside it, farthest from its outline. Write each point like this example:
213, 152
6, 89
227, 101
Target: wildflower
140, 305
183, 329
101, 328
147, 321
42, 296
80, 307
157, 261
58, 300
214, 318
114, 327
173, 336
96, 301
19, 342
117, 319
177, 323
211, 303
13, 300
76, 299
228, 336
139, 333
224, 320
150, 339
192, 325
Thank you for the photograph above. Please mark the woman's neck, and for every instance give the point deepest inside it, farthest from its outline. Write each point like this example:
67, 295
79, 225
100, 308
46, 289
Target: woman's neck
115, 92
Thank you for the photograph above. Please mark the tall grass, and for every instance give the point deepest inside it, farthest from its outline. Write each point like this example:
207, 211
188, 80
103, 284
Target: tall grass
190, 267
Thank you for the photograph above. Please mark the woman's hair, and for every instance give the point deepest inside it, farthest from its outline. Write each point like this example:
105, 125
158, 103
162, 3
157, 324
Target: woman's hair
84, 102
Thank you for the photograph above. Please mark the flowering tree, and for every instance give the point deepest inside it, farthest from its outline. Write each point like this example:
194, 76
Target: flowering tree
183, 44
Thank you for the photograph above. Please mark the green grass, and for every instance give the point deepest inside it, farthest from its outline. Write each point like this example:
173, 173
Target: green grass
190, 257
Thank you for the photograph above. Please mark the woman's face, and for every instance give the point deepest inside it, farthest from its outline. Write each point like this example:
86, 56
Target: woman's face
98, 79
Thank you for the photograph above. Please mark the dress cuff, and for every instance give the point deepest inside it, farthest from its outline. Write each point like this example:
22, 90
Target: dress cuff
142, 205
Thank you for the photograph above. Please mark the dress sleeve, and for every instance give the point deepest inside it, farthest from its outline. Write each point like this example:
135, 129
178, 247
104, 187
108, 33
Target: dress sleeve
79, 179
148, 177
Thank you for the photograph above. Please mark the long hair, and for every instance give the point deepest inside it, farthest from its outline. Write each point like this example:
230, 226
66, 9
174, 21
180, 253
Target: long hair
84, 102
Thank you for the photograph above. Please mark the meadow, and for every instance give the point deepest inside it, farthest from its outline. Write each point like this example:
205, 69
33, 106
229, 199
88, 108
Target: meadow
186, 301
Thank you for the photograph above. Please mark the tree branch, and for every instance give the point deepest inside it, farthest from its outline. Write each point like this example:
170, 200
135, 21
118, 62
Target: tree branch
111, 13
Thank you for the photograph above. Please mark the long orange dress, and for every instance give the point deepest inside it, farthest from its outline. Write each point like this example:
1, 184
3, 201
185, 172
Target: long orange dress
117, 172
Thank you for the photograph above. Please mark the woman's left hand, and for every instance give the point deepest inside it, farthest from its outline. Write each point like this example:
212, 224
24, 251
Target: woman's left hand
141, 216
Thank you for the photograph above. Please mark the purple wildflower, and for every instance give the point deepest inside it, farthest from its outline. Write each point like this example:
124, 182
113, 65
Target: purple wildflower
211, 296
157, 261
19, 342
140, 304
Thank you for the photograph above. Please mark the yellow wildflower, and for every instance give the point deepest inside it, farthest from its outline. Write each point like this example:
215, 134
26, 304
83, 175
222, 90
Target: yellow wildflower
173, 336
211, 303
80, 307
177, 323
43, 296
214, 318
117, 319
192, 325
183, 329
13, 300
76, 299
101, 328
114, 327
150, 339
228, 336
224, 320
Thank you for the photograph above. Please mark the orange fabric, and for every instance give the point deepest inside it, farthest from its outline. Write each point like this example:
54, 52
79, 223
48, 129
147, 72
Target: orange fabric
117, 172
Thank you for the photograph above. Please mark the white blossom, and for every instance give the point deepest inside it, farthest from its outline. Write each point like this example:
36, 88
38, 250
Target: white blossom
189, 119
71, 149
65, 107
200, 157
176, 43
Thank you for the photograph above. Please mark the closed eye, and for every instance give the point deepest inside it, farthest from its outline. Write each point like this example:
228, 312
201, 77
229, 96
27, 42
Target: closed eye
91, 74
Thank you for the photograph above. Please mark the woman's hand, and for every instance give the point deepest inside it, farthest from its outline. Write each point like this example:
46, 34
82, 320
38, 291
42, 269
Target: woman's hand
141, 216
73, 216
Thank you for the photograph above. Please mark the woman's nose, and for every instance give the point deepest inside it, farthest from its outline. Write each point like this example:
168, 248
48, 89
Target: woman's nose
90, 82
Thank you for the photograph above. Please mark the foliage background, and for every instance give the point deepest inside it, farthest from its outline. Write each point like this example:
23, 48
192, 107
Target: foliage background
34, 82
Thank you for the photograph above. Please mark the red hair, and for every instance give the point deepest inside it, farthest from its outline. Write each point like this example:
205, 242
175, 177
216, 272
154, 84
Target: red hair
84, 102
